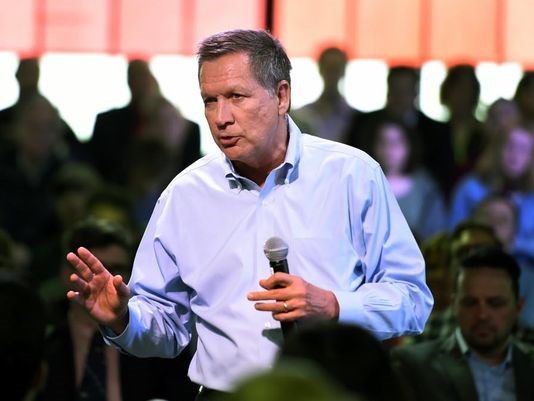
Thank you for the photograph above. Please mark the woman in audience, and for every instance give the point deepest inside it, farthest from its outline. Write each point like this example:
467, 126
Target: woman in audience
416, 191
506, 167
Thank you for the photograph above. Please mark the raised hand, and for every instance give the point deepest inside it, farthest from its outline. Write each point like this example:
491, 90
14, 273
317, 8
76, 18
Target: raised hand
103, 295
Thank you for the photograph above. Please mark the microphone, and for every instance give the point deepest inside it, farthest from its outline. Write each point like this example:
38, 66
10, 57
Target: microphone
276, 251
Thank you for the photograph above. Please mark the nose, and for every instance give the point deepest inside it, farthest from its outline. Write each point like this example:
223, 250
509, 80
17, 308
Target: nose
223, 114
482, 311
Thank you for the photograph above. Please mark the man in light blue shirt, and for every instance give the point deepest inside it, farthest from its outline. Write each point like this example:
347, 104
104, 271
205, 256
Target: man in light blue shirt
201, 263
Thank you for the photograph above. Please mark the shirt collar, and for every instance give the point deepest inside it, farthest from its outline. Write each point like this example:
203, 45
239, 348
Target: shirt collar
464, 348
283, 174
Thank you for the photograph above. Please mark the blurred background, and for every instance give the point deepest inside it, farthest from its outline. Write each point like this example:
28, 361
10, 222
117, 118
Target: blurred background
84, 47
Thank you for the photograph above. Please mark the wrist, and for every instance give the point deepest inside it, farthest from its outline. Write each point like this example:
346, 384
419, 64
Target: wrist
121, 323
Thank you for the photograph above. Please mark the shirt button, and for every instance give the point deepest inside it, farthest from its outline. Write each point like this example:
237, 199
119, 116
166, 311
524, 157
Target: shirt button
267, 325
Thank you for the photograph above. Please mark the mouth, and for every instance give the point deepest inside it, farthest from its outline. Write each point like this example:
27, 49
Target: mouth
483, 330
227, 140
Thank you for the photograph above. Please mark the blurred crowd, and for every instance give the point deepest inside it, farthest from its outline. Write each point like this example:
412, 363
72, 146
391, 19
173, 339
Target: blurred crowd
464, 185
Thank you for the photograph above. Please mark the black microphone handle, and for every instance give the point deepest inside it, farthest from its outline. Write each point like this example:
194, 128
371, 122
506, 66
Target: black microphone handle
281, 266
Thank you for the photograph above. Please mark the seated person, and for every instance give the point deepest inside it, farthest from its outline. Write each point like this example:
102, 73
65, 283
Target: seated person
481, 359
80, 365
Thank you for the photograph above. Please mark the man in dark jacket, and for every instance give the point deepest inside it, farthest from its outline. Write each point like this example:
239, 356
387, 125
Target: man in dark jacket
481, 360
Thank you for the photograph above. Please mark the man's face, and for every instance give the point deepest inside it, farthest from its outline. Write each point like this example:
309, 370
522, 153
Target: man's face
486, 309
246, 120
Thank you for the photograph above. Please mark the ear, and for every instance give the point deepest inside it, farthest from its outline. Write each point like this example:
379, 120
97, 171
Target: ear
283, 94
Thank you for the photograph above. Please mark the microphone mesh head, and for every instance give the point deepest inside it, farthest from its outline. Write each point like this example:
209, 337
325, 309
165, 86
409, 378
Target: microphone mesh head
275, 249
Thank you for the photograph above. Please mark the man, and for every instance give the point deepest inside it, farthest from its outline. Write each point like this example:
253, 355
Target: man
481, 360
27, 75
500, 212
329, 115
201, 264
117, 130
467, 235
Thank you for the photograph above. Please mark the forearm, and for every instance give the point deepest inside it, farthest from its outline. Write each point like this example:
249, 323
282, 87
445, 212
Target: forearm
388, 309
150, 332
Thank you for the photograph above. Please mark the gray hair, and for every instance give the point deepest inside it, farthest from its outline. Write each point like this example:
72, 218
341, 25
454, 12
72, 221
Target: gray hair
268, 59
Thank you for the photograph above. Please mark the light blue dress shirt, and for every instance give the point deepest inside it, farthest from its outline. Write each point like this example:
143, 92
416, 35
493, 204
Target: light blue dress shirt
202, 252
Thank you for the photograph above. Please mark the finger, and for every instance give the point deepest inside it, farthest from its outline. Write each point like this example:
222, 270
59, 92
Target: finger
78, 284
92, 262
80, 266
120, 286
279, 294
75, 297
276, 280
274, 307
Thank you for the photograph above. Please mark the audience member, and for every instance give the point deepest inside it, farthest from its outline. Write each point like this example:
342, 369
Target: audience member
460, 93
115, 204
27, 75
505, 167
71, 188
294, 382
432, 137
501, 115
147, 114
500, 212
349, 355
437, 254
22, 340
524, 97
418, 194
481, 360
25, 173
467, 235
329, 115
80, 365
115, 129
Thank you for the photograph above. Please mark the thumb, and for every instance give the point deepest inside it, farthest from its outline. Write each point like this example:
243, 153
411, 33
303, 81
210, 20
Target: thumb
120, 286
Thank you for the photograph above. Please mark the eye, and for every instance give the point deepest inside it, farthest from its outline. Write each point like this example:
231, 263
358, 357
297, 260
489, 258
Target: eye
237, 96
209, 100
468, 302
497, 302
